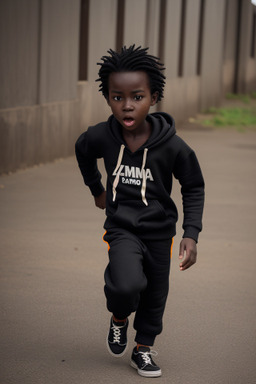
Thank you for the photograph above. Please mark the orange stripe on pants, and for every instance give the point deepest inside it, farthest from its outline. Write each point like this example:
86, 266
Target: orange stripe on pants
106, 241
171, 249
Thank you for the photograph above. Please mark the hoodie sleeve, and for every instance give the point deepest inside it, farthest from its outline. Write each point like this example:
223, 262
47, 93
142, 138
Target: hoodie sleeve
87, 156
188, 172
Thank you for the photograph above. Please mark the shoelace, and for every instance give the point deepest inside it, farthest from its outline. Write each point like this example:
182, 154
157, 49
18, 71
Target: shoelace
146, 356
117, 333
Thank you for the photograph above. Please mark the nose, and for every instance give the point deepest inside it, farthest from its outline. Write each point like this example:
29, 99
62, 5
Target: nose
128, 105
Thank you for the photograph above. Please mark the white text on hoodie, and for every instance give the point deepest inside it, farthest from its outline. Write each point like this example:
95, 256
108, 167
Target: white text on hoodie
133, 175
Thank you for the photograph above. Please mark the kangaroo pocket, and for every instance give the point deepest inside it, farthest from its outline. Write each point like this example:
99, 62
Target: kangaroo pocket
135, 215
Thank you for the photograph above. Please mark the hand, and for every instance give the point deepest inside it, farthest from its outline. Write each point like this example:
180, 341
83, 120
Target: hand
100, 201
188, 247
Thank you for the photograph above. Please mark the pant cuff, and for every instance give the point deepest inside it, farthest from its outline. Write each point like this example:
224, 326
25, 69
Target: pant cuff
145, 339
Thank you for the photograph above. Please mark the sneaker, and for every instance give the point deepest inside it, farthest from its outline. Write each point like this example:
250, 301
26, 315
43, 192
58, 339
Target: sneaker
117, 338
142, 361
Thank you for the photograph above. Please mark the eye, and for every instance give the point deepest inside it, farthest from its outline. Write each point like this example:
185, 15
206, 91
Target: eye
138, 97
117, 98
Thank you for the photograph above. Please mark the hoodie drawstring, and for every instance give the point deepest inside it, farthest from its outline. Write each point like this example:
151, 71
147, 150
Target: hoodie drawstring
144, 180
117, 172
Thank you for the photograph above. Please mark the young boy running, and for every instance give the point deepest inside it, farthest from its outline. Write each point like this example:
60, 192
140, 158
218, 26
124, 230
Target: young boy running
141, 153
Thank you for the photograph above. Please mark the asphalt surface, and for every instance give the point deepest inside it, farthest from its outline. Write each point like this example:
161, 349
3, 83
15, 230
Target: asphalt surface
53, 318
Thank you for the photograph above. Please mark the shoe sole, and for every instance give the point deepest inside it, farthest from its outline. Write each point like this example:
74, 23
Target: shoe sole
146, 373
116, 354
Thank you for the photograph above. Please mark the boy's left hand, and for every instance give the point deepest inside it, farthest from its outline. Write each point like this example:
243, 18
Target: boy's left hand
100, 201
188, 247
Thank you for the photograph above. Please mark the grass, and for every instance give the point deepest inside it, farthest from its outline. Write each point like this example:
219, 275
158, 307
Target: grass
237, 96
231, 117
238, 116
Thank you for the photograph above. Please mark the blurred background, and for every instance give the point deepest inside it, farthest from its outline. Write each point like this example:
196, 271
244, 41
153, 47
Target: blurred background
49, 50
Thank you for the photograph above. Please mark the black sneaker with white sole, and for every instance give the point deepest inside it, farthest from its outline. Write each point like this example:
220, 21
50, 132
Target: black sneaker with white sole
117, 338
143, 362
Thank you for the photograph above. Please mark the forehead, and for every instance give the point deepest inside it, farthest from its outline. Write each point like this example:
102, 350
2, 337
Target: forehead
128, 80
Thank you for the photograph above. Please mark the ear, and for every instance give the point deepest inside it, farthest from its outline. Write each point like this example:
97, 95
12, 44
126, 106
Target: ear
154, 98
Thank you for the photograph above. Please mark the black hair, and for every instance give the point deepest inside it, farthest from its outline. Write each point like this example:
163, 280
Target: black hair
132, 59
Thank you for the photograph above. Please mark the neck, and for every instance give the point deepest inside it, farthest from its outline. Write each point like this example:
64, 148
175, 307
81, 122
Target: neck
144, 131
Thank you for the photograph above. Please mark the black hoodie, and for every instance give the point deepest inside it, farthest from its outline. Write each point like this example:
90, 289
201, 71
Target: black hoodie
139, 183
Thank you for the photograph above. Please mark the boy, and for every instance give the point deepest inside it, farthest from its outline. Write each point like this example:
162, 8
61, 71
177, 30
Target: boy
141, 152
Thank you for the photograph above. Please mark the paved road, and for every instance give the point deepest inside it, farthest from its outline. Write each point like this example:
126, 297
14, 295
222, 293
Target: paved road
53, 320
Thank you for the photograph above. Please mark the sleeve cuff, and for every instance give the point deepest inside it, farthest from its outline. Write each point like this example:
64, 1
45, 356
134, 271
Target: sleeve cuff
96, 189
192, 233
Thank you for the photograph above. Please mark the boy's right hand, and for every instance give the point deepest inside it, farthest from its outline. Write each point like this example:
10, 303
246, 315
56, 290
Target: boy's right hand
100, 201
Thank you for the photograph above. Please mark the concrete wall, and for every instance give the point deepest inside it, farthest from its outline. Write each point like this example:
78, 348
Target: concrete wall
153, 26
211, 90
102, 36
44, 105
182, 83
239, 67
246, 73
39, 105
59, 40
230, 46
19, 52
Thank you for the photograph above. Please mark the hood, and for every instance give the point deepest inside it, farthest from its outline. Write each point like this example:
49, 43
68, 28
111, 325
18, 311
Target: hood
163, 127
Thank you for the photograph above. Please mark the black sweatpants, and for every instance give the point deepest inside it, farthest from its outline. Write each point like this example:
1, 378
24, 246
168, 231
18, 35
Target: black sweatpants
137, 280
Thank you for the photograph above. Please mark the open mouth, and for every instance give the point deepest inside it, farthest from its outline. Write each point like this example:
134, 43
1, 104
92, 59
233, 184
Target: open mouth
128, 121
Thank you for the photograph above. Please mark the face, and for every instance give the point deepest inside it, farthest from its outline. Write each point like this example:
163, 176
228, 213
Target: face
130, 99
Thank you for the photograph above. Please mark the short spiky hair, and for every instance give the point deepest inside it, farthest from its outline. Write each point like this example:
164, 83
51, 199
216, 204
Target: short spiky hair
132, 59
